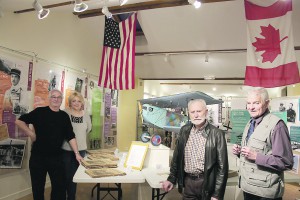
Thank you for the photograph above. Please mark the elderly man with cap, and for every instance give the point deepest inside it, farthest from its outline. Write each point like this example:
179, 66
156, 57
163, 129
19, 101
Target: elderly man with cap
12, 97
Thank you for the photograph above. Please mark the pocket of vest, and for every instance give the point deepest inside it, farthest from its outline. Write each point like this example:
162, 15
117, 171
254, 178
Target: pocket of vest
257, 145
258, 177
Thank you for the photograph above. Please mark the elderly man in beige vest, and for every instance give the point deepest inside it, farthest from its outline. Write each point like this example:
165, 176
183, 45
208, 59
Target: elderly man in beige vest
265, 151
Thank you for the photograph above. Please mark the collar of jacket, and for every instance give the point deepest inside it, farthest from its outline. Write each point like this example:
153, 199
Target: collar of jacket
205, 133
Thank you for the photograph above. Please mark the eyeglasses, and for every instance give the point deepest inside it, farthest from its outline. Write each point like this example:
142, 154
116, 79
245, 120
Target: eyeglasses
58, 98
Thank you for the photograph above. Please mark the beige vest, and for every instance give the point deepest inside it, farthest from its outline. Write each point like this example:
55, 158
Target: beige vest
258, 180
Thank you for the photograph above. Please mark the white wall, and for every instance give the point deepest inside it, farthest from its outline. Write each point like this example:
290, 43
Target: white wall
61, 37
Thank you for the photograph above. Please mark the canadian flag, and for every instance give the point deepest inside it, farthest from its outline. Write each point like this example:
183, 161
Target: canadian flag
271, 60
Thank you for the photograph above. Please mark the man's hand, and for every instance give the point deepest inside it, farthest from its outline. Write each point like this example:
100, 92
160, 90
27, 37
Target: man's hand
166, 185
236, 149
213, 198
248, 153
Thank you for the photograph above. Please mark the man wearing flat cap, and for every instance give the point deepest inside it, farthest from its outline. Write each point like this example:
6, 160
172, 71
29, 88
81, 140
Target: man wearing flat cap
12, 97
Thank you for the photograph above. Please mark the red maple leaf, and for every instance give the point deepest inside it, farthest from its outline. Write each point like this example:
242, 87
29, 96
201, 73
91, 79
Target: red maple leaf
270, 44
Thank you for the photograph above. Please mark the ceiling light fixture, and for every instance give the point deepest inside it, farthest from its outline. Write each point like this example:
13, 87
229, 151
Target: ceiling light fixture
42, 13
80, 6
209, 77
166, 58
122, 2
206, 58
106, 12
195, 3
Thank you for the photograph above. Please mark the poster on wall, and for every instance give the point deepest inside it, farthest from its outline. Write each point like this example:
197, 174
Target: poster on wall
48, 78
54, 76
95, 136
288, 106
14, 92
77, 82
110, 118
213, 114
41, 93
12, 153
239, 119
295, 134
107, 107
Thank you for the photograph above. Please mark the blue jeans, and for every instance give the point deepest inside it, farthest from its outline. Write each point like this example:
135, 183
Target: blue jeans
71, 165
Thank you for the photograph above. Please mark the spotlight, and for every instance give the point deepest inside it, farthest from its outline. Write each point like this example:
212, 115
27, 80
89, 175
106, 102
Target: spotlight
122, 2
166, 58
195, 3
42, 13
80, 6
206, 58
106, 12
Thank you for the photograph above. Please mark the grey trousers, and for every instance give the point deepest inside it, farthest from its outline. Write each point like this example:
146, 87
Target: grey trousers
193, 188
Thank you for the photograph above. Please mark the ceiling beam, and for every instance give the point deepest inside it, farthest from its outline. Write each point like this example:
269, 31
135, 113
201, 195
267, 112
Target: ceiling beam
216, 83
122, 9
297, 48
127, 8
195, 79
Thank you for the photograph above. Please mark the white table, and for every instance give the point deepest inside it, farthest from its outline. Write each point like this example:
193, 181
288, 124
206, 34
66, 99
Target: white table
132, 176
154, 177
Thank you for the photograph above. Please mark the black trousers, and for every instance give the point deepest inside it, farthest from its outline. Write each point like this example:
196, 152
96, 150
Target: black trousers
71, 165
39, 166
248, 196
192, 188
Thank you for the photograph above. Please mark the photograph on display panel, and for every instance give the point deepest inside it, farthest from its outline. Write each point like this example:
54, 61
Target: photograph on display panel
12, 153
15, 81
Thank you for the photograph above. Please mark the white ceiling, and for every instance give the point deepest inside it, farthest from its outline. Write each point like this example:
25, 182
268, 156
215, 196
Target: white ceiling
215, 26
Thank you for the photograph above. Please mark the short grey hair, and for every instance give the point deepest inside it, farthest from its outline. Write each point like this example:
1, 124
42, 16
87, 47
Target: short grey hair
197, 100
262, 92
55, 90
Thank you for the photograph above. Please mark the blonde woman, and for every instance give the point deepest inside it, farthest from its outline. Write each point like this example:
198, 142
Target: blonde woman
81, 123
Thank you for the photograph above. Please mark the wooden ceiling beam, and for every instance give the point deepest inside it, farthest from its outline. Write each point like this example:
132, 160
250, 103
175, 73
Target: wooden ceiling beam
297, 48
195, 79
122, 9
127, 8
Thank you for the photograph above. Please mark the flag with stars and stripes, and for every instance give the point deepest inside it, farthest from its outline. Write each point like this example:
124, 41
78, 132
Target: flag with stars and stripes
118, 55
271, 60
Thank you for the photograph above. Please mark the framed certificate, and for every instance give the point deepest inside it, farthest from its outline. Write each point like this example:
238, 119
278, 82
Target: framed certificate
136, 155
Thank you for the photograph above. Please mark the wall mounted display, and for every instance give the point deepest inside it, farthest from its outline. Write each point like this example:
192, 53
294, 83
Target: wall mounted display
15, 81
12, 153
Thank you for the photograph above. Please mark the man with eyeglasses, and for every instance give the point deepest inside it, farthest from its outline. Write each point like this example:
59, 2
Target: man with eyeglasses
51, 126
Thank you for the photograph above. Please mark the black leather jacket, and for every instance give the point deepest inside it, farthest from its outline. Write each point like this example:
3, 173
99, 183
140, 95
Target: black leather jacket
215, 166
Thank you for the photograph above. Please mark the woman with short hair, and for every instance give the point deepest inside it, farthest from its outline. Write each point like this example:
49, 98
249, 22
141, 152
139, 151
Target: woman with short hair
81, 123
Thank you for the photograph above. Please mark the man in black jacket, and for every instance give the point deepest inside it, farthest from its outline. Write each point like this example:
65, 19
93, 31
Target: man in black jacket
200, 160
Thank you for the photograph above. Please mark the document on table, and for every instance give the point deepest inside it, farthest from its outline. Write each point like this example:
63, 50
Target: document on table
136, 155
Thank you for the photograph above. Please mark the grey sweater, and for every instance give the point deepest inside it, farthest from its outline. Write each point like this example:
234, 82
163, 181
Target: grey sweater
81, 128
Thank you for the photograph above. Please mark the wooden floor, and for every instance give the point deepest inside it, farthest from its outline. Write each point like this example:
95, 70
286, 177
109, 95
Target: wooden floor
130, 192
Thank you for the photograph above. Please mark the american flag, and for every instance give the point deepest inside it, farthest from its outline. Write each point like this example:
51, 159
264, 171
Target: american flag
118, 55
271, 60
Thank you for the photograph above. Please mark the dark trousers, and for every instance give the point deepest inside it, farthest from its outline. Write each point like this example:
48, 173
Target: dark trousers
39, 166
192, 188
70, 167
248, 196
